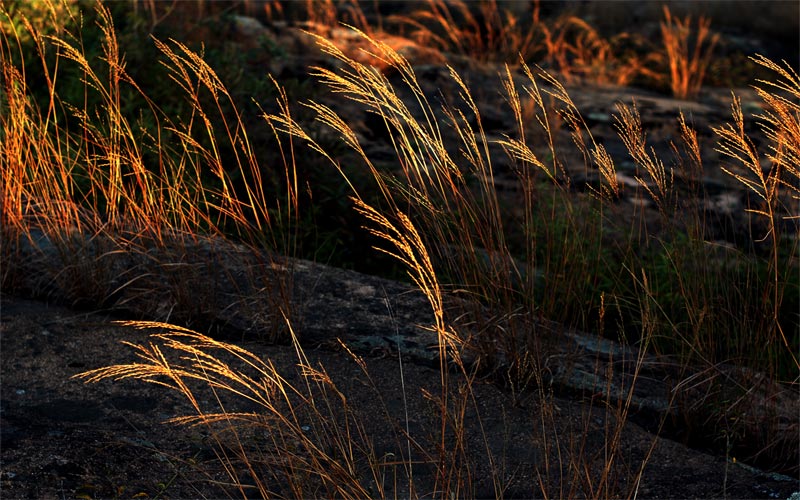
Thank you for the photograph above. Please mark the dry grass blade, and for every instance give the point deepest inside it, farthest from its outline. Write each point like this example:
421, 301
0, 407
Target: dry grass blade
191, 363
113, 187
737, 145
782, 126
629, 128
687, 66
102, 192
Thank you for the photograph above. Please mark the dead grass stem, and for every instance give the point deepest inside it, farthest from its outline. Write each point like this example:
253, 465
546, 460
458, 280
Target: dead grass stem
77, 185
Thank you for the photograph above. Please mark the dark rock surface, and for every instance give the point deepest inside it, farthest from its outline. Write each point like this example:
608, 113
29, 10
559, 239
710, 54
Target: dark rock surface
64, 438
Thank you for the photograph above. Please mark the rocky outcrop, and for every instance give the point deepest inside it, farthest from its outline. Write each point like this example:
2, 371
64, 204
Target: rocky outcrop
235, 291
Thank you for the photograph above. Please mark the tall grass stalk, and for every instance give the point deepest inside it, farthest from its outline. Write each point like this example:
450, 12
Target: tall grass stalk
565, 265
83, 173
79, 174
301, 444
687, 64
781, 124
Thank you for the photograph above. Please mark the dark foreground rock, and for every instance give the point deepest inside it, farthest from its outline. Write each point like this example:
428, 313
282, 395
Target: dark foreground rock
61, 437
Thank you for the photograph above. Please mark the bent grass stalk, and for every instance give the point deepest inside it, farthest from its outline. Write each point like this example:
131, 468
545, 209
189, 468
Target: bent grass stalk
432, 183
86, 174
445, 198
179, 358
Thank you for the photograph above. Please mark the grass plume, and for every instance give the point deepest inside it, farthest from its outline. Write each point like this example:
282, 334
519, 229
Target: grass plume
92, 187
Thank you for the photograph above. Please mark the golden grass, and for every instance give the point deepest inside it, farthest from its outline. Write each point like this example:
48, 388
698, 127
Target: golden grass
304, 448
481, 30
438, 212
453, 200
87, 174
687, 64
781, 124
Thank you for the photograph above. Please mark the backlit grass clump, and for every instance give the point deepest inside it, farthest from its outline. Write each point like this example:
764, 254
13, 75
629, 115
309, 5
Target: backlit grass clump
87, 180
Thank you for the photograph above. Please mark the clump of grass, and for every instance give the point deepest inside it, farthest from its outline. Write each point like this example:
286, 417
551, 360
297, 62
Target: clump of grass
457, 223
687, 64
578, 52
308, 443
702, 305
485, 30
441, 215
568, 45
99, 188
